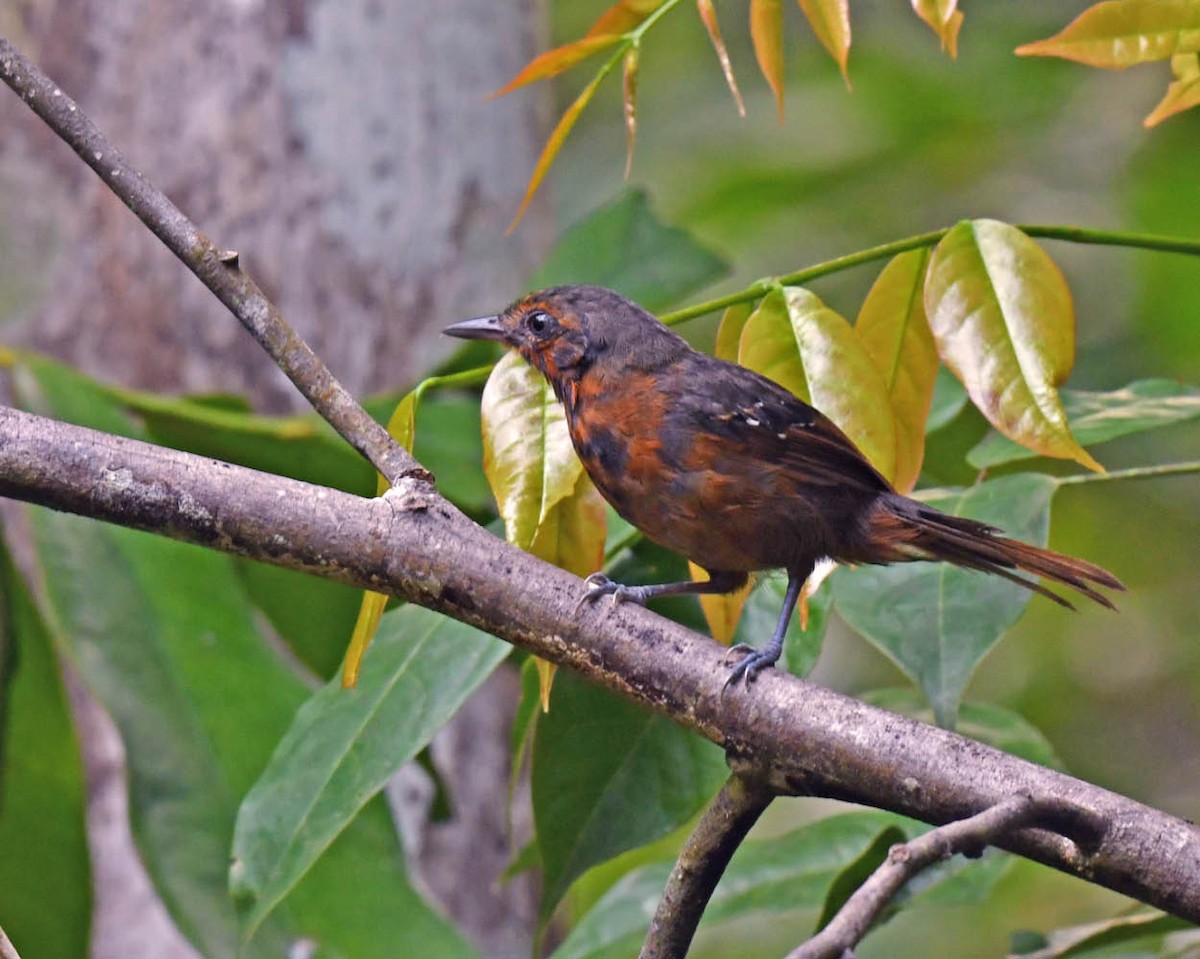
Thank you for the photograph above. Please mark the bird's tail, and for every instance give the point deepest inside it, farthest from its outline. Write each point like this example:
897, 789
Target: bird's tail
908, 530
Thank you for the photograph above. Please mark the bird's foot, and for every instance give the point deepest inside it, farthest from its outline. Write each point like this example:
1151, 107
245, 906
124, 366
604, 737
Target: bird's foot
599, 585
752, 663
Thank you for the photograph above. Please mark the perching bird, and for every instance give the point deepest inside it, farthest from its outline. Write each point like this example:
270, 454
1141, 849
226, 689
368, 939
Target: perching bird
716, 462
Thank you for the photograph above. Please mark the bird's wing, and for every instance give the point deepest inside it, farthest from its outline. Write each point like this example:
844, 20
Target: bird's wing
765, 421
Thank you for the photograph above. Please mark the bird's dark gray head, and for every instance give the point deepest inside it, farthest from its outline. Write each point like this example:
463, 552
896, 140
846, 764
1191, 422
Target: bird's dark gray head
563, 329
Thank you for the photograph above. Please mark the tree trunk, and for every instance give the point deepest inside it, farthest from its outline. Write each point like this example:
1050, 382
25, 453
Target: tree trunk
347, 152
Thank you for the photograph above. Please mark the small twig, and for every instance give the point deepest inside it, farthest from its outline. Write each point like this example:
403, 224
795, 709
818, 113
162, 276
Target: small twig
7, 949
217, 269
701, 864
968, 836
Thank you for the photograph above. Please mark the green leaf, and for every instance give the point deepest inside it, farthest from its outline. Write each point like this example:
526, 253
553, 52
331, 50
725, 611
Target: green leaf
797, 341
1002, 317
638, 778
934, 620
987, 722
1097, 938
623, 245
1117, 34
344, 745
157, 651
44, 869
1099, 417
788, 872
857, 872
895, 333
948, 400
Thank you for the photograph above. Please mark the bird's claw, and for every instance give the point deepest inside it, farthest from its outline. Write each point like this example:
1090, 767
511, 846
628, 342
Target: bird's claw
599, 585
753, 662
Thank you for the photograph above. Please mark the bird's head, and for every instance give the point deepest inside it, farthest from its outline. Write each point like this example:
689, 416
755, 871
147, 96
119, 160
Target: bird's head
563, 330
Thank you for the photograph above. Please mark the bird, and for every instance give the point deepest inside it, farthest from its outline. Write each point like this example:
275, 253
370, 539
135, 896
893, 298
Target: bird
733, 471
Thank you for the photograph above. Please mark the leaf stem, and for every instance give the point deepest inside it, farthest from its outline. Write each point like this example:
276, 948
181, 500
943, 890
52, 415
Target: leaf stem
1135, 472
636, 33
1071, 234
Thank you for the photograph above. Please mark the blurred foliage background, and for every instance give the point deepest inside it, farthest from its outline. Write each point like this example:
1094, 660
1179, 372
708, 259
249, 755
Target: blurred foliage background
918, 143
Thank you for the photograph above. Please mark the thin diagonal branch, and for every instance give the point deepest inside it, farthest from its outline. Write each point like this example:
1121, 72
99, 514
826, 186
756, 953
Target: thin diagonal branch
216, 269
702, 862
800, 738
969, 836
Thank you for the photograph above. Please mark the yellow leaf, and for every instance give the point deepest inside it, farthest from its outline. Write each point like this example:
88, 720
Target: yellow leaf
527, 454
1117, 34
944, 18
830, 21
720, 612
545, 673
623, 16
766, 30
401, 426
729, 333
629, 101
895, 333
554, 144
1183, 93
1002, 318
553, 62
797, 341
708, 16
572, 535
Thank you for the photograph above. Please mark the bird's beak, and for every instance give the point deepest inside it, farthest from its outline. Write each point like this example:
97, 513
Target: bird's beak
481, 328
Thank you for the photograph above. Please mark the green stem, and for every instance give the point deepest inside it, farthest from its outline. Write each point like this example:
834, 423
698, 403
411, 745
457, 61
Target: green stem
471, 377
636, 33
1135, 472
1072, 234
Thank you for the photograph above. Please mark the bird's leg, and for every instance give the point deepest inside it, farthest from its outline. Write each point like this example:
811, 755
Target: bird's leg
755, 660
600, 585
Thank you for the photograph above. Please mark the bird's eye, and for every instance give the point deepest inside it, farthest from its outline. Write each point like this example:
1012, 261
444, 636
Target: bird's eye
538, 322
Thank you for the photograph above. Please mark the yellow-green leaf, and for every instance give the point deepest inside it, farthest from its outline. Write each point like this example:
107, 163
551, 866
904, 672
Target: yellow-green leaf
629, 103
1184, 91
830, 21
766, 30
1117, 34
892, 328
729, 332
720, 612
553, 62
623, 16
797, 341
527, 453
557, 137
402, 427
1002, 318
570, 536
944, 18
708, 16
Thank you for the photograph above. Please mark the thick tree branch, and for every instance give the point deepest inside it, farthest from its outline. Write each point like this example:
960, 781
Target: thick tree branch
803, 739
216, 269
701, 864
969, 836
